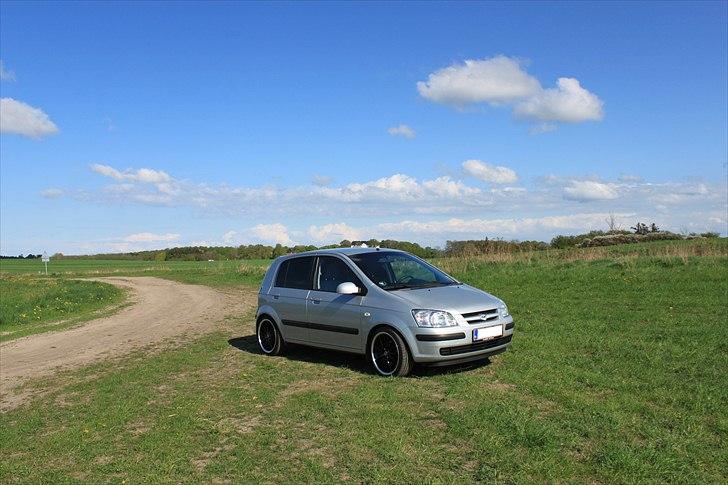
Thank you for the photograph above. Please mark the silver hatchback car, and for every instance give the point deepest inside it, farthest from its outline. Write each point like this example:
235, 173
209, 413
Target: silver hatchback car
392, 306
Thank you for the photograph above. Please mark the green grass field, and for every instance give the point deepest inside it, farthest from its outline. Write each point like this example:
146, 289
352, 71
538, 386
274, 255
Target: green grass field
32, 305
617, 374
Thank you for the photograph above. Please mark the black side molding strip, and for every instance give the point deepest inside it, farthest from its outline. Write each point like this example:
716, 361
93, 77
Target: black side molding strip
321, 326
440, 337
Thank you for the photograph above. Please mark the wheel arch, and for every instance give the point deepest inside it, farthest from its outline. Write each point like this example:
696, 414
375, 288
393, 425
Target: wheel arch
379, 326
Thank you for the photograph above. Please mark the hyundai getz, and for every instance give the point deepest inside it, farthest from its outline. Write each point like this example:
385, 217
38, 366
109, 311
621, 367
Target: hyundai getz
394, 307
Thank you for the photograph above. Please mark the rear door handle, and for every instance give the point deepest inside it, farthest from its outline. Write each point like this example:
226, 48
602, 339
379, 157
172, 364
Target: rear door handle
315, 301
275, 297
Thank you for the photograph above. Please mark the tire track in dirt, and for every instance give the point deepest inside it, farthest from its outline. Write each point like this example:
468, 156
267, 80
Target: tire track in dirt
161, 310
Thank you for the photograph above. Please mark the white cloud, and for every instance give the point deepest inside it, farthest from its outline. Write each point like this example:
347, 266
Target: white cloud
588, 190
5, 74
399, 196
497, 80
567, 103
145, 175
276, 233
503, 81
402, 130
489, 173
447, 187
151, 237
476, 227
52, 193
22, 119
333, 233
230, 237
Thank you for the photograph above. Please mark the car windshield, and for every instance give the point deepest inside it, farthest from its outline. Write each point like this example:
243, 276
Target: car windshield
395, 271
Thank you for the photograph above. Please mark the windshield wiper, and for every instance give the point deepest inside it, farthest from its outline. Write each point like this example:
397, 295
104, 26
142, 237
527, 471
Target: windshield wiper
395, 287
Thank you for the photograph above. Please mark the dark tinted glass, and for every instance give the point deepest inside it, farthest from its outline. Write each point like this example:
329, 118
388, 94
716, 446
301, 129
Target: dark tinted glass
299, 273
281, 276
332, 272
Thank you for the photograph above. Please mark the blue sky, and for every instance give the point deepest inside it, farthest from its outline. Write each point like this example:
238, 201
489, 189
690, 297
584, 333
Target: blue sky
132, 126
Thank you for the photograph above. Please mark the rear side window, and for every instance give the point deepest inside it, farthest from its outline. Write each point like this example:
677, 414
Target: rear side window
295, 273
281, 276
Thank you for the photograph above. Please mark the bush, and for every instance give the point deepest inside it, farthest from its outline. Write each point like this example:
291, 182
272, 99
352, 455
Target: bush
626, 238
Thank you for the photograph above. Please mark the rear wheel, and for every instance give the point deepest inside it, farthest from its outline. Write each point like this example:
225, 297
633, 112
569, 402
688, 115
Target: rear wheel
388, 353
269, 338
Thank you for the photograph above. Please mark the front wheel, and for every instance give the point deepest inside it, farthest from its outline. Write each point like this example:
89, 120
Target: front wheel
388, 353
269, 338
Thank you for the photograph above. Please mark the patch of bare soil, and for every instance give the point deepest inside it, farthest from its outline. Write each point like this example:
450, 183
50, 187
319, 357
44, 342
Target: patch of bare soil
161, 310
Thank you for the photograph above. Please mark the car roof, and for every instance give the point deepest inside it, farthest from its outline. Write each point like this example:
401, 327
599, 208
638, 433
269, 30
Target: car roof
344, 251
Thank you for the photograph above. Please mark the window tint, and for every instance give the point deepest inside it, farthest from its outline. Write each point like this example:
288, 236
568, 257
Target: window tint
281, 276
298, 274
331, 272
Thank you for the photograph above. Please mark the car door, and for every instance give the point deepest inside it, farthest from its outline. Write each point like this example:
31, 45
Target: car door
290, 292
334, 319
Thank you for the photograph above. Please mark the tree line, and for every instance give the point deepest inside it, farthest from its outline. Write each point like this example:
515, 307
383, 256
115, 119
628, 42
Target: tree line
640, 233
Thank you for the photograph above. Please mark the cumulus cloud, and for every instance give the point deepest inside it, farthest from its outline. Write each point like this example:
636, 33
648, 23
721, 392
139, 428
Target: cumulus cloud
333, 233
403, 131
397, 196
589, 190
567, 103
489, 173
151, 237
497, 80
22, 119
275, 233
503, 81
5, 74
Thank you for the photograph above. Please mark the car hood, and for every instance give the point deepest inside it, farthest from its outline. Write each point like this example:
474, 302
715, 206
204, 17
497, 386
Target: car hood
459, 298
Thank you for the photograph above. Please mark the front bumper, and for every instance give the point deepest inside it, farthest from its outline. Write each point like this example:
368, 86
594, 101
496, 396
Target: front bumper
455, 345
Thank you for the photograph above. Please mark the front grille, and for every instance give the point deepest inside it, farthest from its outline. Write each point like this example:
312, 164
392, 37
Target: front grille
475, 318
464, 349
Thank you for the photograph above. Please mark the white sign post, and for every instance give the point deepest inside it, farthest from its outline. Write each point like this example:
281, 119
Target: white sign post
45, 261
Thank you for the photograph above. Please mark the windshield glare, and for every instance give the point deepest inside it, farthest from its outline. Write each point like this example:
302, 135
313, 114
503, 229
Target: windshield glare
390, 271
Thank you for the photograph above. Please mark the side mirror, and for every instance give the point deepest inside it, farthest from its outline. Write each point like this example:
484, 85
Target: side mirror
347, 288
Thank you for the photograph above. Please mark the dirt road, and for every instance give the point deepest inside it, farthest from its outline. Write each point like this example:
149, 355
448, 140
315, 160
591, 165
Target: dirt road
161, 310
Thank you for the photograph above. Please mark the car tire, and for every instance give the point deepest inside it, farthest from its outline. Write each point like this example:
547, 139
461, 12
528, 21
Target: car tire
388, 353
268, 337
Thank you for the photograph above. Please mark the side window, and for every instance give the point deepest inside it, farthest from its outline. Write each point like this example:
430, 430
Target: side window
331, 272
299, 272
281, 276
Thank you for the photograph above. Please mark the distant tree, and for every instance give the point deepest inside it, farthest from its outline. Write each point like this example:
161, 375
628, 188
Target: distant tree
612, 224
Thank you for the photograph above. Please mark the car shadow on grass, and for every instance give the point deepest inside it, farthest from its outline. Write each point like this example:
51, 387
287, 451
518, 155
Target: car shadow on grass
353, 362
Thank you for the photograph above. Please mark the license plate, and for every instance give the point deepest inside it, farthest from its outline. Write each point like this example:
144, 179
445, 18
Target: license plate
487, 333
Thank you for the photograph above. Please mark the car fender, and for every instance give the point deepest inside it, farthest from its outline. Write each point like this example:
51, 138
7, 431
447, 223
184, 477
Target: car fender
400, 321
270, 311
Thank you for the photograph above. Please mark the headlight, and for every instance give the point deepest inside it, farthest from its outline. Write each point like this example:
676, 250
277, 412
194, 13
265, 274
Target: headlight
434, 318
503, 311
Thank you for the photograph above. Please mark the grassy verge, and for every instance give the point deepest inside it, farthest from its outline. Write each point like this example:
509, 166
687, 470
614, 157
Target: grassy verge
32, 305
211, 273
616, 374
